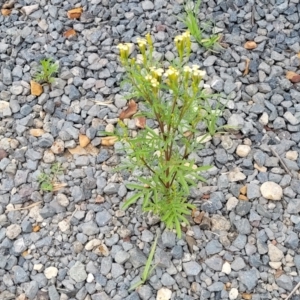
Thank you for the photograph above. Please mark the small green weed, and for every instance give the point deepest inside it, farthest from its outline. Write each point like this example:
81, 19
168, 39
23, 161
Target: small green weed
47, 180
148, 269
193, 25
46, 71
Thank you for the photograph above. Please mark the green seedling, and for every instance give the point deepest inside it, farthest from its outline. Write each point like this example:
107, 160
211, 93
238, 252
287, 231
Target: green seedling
148, 268
46, 71
191, 22
47, 180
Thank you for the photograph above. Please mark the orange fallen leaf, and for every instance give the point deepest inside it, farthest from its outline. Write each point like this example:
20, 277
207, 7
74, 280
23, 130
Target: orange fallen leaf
77, 150
140, 122
25, 253
292, 76
75, 13
129, 111
69, 33
99, 199
247, 296
243, 190
36, 132
36, 228
5, 12
250, 45
36, 88
108, 140
92, 150
243, 197
246, 72
198, 217
83, 140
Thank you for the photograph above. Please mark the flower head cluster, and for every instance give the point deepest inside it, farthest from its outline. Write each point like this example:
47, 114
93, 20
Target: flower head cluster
172, 74
183, 42
156, 73
124, 51
153, 81
142, 43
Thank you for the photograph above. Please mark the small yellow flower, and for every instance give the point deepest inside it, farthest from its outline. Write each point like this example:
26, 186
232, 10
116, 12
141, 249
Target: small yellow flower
187, 69
172, 75
124, 51
148, 77
142, 44
154, 82
157, 73
149, 40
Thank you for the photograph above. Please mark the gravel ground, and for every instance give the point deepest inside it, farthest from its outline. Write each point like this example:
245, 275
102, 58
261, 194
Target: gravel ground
76, 243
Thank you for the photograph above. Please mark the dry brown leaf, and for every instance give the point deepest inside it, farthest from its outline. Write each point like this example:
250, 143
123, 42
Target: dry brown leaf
99, 199
5, 12
75, 13
140, 122
278, 273
83, 140
292, 76
250, 45
191, 242
90, 149
36, 228
78, 150
198, 217
187, 133
243, 197
108, 140
36, 132
129, 111
103, 250
69, 33
247, 296
243, 190
246, 71
36, 88
58, 186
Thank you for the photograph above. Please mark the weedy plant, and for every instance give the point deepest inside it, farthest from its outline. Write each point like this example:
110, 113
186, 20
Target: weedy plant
175, 100
47, 70
148, 269
191, 22
48, 180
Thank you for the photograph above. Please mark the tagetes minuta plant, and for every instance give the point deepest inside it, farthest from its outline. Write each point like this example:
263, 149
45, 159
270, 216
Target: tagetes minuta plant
175, 100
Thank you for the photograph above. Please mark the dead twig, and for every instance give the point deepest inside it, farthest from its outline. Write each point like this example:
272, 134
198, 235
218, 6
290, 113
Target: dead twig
281, 161
293, 291
26, 207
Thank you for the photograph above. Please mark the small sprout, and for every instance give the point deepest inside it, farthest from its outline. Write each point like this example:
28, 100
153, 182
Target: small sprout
47, 70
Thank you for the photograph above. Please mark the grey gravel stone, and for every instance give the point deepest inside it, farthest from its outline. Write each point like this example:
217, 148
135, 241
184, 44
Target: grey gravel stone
20, 275
77, 272
168, 239
214, 262
285, 282
191, 268
103, 218
213, 247
249, 278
